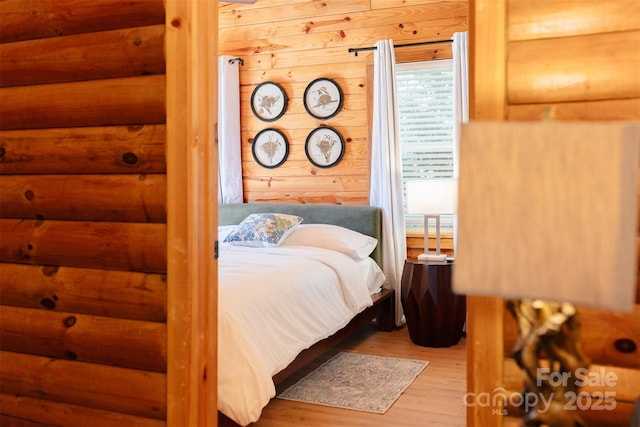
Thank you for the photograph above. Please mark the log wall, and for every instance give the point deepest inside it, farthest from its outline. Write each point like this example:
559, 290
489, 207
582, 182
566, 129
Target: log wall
83, 287
294, 42
573, 61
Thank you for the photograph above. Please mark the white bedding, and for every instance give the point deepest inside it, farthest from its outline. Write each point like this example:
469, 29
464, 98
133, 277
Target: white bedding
274, 303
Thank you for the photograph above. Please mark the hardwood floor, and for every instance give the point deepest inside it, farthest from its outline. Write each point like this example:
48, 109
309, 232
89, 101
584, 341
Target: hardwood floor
434, 399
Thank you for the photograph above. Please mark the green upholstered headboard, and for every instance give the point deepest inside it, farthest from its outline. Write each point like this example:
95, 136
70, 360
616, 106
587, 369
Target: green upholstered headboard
364, 219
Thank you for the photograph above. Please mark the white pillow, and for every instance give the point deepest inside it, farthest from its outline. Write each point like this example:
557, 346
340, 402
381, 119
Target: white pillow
372, 273
263, 230
328, 236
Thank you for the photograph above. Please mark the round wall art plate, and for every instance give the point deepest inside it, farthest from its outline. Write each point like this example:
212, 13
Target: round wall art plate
324, 147
268, 101
323, 98
270, 148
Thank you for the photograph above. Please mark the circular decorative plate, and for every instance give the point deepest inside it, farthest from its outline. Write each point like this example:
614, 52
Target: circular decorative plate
270, 148
268, 101
323, 98
324, 147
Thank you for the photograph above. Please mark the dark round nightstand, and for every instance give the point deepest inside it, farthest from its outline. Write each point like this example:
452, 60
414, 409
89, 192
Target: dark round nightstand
435, 315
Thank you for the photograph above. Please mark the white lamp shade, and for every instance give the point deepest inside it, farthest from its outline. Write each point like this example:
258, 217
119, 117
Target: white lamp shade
548, 210
431, 196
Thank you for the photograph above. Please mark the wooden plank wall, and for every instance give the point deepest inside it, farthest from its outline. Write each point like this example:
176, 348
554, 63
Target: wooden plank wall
83, 314
567, 61
292, 42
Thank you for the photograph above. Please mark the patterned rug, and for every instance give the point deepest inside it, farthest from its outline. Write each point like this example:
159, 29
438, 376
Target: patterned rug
357, 381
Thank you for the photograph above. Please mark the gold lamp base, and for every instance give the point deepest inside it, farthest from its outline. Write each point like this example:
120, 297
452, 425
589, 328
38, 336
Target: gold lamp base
549, 354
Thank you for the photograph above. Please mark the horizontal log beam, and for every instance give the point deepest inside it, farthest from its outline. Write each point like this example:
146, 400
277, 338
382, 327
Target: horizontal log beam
108, 388
103, 55
101, 149
6, 420
103, 245
619, 417
574, 69
33, 19
43, 411
109, 293
122, 101
620, 383
613, 109
103, 340
123, 198
617, 383
537, 20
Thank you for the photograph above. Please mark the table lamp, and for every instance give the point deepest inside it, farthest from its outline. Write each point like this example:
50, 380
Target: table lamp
548, 218
432, 197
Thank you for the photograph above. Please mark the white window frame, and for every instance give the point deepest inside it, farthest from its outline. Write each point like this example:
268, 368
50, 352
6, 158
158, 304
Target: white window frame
415, 222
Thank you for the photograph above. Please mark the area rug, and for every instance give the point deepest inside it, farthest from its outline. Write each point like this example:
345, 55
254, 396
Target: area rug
357, 381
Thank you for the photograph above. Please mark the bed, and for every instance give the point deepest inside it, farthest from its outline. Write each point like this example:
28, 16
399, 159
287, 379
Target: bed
283, 305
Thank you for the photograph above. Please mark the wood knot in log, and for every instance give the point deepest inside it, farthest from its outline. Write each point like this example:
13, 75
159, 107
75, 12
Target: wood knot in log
48, 303
625, 345
130, 158
50, 270
69, 321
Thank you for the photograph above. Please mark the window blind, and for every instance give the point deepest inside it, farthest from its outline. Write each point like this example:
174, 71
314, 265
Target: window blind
425, 106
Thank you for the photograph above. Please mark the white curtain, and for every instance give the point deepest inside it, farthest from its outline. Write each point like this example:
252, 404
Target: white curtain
460, 91
386, 169
461, 105
229, 158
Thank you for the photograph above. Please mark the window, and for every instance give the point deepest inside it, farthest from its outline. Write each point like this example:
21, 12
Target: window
425, 105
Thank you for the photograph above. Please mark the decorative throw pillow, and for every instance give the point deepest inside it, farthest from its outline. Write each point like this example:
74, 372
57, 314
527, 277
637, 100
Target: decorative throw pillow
224, 230
334, 237
263, 230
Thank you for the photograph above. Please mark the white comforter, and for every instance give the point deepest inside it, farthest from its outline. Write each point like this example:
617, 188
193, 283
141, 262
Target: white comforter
274, 303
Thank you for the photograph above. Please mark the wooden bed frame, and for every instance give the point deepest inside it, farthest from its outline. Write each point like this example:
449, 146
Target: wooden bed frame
364, 219
383, 310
